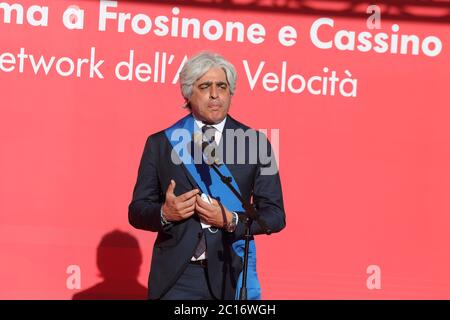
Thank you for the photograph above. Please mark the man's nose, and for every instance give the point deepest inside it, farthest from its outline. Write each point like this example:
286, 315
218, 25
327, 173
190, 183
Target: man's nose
213, 92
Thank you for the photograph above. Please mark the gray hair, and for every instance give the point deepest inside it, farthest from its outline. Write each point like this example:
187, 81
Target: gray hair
198, 65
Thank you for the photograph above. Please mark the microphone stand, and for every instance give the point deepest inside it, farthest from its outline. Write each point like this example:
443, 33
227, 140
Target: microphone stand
250, 216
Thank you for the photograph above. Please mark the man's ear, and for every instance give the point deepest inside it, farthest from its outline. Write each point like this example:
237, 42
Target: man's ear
187, 104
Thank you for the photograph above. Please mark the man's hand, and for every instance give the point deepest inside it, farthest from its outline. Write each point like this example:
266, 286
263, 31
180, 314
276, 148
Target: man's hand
181, 207
215, 214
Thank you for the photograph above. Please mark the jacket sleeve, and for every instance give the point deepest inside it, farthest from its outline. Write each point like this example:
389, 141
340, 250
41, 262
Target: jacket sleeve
144, 211
267, 193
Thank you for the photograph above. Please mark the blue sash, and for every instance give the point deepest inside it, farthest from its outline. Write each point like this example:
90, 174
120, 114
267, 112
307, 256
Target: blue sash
209, 183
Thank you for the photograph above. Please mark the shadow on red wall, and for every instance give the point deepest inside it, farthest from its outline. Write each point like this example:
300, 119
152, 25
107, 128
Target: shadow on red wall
435, 11
119, 259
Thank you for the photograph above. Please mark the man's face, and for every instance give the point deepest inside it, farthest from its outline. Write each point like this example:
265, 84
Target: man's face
211, 96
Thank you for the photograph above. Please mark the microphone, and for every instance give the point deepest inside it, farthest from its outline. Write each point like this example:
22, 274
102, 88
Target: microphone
207, 149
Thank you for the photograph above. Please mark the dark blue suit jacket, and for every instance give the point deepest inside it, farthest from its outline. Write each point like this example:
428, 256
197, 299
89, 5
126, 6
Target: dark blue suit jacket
175, 244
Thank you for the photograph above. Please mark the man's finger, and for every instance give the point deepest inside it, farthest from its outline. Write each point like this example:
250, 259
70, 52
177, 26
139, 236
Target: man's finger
187, 195
188, 210
171, 188
202, 203
201, 211
186, 213
185, 204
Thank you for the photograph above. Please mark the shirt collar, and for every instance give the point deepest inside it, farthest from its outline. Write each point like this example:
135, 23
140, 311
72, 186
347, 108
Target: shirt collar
218, 126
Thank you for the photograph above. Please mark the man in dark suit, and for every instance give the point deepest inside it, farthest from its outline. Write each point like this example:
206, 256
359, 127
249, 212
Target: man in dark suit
198, 253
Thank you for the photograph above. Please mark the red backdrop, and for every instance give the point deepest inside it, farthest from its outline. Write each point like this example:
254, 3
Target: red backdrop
366, 178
